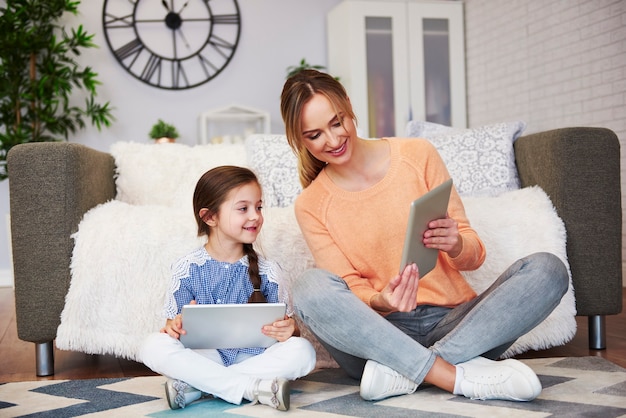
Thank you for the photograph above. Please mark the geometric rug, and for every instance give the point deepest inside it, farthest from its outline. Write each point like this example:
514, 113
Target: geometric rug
572, 387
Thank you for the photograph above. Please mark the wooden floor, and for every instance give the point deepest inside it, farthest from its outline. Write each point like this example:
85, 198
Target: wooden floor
17, 358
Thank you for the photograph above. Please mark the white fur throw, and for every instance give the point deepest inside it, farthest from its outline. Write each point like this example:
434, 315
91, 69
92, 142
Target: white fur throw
122, 254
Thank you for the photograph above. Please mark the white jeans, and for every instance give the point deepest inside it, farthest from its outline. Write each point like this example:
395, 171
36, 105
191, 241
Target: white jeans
204, 370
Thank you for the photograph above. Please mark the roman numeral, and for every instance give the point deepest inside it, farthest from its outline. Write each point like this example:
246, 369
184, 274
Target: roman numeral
114, 22
220, 44
205, 64
133, 47
153, 65
177, 72
225, 19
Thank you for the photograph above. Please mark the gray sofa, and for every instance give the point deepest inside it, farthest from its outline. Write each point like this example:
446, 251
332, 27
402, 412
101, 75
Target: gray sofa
53, 184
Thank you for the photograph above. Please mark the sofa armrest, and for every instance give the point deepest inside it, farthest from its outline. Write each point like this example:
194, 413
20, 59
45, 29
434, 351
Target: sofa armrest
51, 186
579, 168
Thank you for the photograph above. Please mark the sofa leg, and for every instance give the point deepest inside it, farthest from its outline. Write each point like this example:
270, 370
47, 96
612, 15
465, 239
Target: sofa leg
597, 332
44, 357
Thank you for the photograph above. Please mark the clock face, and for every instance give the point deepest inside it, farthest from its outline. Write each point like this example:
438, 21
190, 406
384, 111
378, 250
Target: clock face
172, 44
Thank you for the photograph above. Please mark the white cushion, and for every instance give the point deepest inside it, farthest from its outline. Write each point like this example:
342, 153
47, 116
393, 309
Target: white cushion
481, 161
166, 174
513, 225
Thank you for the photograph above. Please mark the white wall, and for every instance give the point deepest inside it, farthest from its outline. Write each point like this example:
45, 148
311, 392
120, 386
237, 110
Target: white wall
275, 34
551, 63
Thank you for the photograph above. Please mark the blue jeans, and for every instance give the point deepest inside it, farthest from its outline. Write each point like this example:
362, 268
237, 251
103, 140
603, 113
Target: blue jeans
523, 296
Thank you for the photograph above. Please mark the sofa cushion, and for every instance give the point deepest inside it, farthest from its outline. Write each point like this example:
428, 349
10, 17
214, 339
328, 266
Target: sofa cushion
480, 160
166, 174
511, 226
122, 254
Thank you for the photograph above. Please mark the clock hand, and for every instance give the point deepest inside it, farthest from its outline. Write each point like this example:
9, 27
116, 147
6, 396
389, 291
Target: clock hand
182, 35
184, 5
165, 5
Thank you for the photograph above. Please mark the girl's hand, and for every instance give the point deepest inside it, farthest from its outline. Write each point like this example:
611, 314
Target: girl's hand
174, 327
443, 235
280, 330
400, 295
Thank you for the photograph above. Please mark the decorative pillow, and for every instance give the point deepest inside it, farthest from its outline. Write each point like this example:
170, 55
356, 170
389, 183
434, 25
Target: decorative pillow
511, 226
166, 174
480, 160
425, 129
275, 164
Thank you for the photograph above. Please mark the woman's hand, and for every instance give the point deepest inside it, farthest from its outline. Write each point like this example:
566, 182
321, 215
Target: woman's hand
280, 330
443, 235
174, 327
400, 294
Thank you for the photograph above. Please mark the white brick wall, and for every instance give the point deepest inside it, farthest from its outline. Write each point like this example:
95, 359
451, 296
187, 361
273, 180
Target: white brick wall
551, 63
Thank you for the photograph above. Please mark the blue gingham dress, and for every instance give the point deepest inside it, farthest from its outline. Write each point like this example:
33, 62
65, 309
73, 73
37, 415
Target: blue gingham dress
197, 276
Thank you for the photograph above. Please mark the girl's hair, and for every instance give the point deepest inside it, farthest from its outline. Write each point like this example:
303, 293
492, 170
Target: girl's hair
297, 91
211, 191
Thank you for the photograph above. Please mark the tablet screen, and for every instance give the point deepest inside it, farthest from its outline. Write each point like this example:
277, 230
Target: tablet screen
432, 205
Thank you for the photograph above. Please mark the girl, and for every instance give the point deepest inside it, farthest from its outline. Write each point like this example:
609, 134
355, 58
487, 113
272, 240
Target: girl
227, 207
396, 330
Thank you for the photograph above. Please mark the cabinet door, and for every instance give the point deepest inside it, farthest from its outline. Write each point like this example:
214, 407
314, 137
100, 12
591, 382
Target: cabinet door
367, 50
399, 60
437, 62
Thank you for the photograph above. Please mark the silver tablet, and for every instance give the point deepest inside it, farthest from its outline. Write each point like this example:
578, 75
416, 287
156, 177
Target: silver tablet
229, 325
432, 205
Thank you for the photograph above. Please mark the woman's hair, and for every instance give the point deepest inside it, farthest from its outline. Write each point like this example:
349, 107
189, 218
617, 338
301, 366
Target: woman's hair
211, 191
297, 91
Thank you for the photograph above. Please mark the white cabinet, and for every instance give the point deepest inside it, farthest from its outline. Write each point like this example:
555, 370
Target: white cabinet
399, 60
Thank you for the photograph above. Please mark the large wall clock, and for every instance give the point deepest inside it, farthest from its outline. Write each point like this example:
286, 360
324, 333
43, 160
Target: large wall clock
172, 44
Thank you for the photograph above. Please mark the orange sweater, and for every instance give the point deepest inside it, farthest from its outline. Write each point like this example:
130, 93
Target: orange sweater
359, 235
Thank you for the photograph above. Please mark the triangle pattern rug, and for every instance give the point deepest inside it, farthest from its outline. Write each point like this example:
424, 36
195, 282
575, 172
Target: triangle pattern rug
572, 387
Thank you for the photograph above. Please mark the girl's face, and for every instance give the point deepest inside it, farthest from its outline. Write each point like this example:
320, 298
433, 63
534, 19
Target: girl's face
326, 135
239, 218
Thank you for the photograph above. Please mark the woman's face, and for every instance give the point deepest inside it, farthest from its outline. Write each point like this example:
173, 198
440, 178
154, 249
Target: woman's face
327, 136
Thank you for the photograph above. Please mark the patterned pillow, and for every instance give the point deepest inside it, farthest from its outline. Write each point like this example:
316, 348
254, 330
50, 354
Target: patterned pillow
271, 158
481, 160
424, 129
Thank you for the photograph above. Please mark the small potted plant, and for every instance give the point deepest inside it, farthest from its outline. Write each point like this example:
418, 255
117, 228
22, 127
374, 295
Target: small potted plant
163, 132
303, 65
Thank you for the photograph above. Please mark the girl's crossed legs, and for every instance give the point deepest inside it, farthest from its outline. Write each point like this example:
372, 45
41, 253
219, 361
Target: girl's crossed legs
204, 370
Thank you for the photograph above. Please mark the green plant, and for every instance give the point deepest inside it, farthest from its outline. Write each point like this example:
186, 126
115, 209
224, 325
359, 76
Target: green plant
163, 130
303, 65
38, 75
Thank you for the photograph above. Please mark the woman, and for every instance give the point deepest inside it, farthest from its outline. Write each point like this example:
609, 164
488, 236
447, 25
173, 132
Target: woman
396, 330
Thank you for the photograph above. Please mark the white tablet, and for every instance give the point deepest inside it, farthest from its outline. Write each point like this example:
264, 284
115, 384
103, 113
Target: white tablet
433, 205
229, 325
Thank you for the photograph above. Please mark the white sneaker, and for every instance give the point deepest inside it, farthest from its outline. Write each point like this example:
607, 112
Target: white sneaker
179, 393
509, 380
380, 382
274, 393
